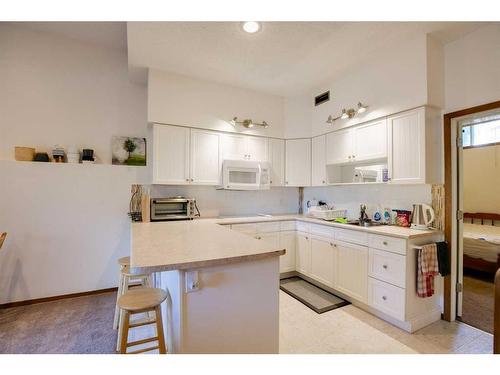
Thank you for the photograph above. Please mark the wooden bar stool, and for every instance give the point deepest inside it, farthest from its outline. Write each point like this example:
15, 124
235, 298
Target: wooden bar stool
125, 281
3, 236
142, 300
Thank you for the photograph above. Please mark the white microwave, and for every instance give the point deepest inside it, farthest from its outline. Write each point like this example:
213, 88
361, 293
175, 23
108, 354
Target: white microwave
245, 175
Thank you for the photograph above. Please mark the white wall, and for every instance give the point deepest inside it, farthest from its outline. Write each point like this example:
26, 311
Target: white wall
481, 179
180, 100
55, 90
213, 202
67, 224
472, 69
388, 196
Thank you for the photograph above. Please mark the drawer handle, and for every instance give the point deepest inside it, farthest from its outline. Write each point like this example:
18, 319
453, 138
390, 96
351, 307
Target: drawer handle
385, 243
384, 266
258, 238
384, 298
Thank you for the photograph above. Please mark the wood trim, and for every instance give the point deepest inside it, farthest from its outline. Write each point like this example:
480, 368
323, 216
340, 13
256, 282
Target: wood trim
448, 199
55, 298
493, 144
482, 216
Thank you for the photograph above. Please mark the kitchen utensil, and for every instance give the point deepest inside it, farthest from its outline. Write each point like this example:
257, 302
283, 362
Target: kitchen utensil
422, 216
24, 153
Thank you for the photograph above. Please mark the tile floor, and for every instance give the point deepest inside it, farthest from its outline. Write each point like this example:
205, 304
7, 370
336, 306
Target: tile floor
84, 325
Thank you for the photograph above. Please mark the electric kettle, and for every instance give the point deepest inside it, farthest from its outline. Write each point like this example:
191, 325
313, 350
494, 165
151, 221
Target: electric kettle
422, 216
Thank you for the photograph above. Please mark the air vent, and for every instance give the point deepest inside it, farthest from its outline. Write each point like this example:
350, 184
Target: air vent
322, 98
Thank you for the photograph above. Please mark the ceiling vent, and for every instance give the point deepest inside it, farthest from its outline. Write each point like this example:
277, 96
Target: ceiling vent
322, 98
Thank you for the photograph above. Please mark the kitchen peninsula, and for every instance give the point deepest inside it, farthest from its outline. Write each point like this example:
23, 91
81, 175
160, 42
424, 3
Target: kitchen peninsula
223, 286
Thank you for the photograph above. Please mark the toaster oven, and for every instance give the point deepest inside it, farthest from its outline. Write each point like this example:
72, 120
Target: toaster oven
175, 208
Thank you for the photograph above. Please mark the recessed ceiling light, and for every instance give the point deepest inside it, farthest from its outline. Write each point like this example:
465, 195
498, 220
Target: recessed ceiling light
251, 27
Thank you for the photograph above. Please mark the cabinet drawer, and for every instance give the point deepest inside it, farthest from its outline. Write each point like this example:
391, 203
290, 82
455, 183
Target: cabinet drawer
387, 298
395, 245
352, 236
250, 228
303, 227
387, 266
287, 225
268, 227
322, 230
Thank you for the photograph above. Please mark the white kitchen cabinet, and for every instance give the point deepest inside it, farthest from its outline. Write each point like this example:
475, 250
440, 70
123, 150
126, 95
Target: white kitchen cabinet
303, 253
205, 158
370, 141
339, 146
276, 159
298, 162
352, 270
287, 240
272, 238
415, 146
171, 155
243, 147
323, 260
318, 169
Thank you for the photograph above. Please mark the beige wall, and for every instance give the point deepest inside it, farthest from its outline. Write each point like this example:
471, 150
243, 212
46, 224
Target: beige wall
482, 179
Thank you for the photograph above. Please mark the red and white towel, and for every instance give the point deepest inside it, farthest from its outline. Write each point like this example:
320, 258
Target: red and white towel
427, 268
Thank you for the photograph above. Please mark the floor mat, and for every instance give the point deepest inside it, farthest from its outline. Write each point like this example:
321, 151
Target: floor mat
310, 295
478, 303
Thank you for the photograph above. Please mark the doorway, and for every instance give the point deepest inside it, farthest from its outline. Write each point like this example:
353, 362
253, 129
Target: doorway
478, 224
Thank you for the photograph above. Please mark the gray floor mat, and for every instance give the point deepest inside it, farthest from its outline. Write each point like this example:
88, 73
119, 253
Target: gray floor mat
310, 295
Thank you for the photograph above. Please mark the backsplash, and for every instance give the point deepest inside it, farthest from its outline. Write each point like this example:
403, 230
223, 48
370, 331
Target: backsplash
212, 202
349, 197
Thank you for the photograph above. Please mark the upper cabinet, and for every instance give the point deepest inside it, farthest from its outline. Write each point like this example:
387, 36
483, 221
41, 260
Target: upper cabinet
170, 155
243, 147
318, 166
370, 141
298, 162
205, 157
415, 150
359, 144
277, 160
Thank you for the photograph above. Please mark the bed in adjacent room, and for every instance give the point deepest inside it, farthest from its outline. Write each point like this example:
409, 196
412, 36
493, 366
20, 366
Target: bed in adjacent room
481, 234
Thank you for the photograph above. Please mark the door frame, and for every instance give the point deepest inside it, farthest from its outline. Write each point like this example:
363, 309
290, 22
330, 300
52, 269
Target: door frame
450, 188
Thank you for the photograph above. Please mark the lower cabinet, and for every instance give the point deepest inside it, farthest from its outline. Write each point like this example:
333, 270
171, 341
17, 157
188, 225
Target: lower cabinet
287, 241
323, 260
352, 270
303, 253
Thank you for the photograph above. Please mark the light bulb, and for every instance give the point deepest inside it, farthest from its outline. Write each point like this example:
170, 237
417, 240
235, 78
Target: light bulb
251, 27
344, 114
361, 108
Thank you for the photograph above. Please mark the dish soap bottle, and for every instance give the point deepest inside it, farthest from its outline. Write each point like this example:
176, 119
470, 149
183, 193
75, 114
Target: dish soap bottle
377, 215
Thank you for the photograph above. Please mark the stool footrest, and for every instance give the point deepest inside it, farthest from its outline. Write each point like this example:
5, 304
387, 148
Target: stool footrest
142, 322
143, 341
144, 350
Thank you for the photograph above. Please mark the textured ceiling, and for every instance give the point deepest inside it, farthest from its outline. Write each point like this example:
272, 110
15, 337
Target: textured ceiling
284, 58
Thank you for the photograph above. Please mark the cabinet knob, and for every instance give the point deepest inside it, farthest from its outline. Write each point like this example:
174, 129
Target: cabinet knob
286, 182
385, 243
307, 238
187, 179
271, 181
384, 298
349, 157
258, 237
384, 266
323, 181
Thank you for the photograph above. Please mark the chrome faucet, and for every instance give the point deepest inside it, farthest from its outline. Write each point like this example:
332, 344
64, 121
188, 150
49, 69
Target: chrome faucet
363, 217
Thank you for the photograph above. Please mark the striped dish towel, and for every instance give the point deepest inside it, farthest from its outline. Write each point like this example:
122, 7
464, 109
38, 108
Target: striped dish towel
427, 268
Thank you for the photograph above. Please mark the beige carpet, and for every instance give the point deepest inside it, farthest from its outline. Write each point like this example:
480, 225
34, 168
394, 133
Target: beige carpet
478, 303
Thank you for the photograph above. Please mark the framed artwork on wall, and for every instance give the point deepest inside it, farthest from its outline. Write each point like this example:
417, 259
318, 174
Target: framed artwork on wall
128, 151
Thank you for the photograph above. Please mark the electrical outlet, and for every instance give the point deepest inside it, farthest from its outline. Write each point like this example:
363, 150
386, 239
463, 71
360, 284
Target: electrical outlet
192, 281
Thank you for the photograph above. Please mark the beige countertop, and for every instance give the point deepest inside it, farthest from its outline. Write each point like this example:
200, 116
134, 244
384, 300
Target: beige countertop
172, 245
388, 230
175, 245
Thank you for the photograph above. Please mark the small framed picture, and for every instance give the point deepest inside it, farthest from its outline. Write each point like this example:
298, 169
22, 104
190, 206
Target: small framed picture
128, 151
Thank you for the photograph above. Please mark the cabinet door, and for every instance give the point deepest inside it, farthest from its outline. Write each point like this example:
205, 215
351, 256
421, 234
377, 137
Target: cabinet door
370, 141
352, 270
272, 238
257, 148
406, 151
277, 160
298, 162
323, 260
318, 167
233, 147
205, 160
339, 147
170, 155
287, 242
303, 253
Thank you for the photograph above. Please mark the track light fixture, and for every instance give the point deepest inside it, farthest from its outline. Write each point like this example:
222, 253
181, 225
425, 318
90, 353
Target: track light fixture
348, 113
248, 123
